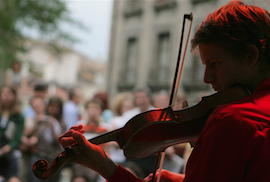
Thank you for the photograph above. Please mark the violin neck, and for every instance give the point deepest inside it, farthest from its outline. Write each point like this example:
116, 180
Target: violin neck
115, 135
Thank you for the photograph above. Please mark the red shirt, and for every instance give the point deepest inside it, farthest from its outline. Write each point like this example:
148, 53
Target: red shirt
234, 144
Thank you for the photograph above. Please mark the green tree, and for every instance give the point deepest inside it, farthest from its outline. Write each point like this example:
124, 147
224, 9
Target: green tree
44, 16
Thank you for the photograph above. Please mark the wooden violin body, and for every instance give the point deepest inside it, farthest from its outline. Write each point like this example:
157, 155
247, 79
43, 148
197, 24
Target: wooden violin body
150, 132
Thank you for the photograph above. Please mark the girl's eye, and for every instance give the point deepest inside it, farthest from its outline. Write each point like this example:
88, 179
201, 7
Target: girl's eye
214, 63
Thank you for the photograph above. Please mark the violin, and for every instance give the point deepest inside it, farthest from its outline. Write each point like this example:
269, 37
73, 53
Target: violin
150, 132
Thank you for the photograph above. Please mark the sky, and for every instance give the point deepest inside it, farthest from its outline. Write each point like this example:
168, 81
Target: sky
95, 15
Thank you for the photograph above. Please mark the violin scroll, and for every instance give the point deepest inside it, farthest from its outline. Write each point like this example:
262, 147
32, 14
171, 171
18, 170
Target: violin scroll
41, 167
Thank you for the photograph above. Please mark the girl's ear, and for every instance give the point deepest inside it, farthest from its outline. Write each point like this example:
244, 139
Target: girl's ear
252, 54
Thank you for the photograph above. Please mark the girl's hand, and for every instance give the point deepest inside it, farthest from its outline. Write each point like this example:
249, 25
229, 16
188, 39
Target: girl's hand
92, 156
166, 176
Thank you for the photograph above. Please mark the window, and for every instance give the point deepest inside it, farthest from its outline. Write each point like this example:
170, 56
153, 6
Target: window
201, 1
133, 8
161, 67
164, 5
133, 3
130, 62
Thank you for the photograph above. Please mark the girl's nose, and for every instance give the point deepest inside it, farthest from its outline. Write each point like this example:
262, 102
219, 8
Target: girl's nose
209, 76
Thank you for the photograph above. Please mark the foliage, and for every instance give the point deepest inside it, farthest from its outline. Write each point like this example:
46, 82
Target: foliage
45, 16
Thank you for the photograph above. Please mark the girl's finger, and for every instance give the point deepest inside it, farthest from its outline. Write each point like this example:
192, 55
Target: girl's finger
148, 178
76, 128
67, 142
66, 134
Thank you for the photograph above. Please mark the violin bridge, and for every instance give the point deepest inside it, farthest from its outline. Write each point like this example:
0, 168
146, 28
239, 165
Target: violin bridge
192, 143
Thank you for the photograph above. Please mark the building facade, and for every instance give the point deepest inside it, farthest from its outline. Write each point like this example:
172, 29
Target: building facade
144, 45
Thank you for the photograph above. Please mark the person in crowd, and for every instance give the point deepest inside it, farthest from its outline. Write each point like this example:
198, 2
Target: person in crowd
107, 114
93, 125
233, 44
14, 75
55, 109
40, 90
17, 76
161, 99
45, 133
29, 140
123, 102
80, 179
11, 129
94, 122
71, 111
143, 102
15, 179
172, 161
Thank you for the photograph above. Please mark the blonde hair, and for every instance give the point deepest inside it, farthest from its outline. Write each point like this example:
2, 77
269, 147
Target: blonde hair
119, 99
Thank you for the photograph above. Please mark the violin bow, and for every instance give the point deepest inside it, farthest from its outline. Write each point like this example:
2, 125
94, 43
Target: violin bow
176, 81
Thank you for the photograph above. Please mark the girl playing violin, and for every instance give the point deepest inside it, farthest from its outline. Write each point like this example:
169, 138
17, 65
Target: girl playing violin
233, 43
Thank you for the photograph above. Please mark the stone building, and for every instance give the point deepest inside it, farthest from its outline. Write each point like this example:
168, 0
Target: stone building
145, 38
64, 69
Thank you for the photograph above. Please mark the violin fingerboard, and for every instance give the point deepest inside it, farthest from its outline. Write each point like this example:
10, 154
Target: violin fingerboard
115, 135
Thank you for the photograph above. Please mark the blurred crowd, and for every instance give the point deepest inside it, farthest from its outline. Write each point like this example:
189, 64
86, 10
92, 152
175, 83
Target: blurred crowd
29, 130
